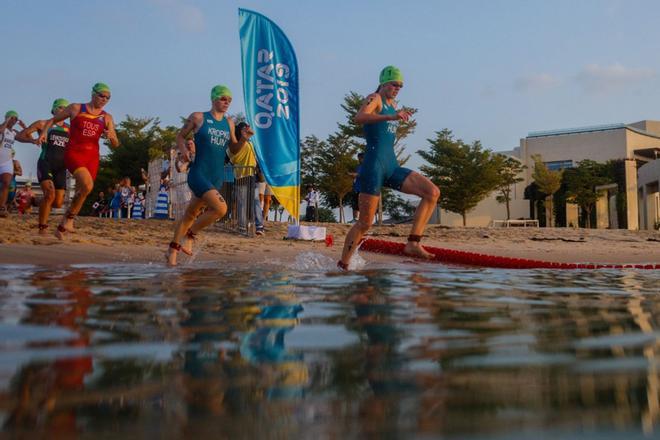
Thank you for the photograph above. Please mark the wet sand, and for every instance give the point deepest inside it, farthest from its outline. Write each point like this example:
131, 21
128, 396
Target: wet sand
104, 240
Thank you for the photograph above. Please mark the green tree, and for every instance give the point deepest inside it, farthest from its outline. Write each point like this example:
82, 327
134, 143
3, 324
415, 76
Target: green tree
336, 161
509, 170
581, 183
548, 182
166, 141
326, 215
140, 139
465, 173
310, 149
397, 208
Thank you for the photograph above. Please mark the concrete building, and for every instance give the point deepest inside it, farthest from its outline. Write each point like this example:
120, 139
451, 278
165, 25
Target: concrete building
637, 145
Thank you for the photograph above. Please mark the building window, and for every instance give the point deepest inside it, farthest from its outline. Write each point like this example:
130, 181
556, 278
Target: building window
559, 164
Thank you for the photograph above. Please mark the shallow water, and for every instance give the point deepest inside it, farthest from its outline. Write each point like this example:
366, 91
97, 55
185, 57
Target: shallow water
297, 351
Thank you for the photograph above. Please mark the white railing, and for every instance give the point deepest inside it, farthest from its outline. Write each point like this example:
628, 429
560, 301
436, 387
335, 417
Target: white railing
515, 223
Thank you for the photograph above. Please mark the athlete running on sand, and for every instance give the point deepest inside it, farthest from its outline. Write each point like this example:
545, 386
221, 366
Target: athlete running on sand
381, 168
7, 135
213, 134
81, 157
51, 170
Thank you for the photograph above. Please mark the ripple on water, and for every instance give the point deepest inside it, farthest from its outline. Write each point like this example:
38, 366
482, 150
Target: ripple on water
302, 349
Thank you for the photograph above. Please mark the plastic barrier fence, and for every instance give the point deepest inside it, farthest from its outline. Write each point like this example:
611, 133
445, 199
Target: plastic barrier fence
465, 258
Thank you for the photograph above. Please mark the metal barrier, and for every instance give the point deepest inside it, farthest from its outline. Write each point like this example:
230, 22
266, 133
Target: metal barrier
180, 194
238, 192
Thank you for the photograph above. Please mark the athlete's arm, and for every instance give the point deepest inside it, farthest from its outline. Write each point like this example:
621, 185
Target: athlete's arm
191, 125
110, 132
70, 112
236, 145
369, 112
25, 135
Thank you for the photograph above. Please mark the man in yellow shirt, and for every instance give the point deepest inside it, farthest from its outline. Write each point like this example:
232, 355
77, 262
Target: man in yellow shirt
245, 164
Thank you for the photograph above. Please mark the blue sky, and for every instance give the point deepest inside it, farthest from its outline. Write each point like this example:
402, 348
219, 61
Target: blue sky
491, 71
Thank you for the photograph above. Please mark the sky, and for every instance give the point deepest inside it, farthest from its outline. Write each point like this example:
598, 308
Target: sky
487, 70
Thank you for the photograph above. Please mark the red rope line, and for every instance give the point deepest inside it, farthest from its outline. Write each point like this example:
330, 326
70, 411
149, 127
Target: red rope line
442, 255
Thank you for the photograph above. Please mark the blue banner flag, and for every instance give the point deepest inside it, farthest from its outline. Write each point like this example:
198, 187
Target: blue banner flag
270, 88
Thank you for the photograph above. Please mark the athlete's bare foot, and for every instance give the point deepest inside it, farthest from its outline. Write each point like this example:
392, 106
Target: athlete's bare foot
414, 249
43, 231
68, 225
171, 254
59, 232
186, 247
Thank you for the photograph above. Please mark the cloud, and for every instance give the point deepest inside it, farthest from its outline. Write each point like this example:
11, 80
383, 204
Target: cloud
536, 82
188, 17
604, 79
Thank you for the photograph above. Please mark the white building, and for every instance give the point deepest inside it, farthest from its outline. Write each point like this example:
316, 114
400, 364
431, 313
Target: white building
637, 145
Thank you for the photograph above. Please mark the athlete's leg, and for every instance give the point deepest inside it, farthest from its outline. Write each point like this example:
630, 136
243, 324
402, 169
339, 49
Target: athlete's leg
59, 198
192, 211
84, 186
217, 208
267, 199
47, 200
368, 204
5, 181
421, 186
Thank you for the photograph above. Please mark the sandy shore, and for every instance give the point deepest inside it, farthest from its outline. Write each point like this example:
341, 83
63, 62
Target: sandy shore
105, 240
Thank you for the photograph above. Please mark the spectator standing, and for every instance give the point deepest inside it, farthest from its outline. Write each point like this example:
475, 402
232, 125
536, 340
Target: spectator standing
25, 199
115, 202
245, 164
312, 199
138, 207
265, 197
100, 205
126, 194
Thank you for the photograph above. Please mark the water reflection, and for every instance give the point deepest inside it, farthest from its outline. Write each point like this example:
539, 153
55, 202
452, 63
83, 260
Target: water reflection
413, 351
38, 388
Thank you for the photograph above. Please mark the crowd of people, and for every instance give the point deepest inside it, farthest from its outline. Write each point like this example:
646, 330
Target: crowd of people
72, 147
207, 142
123, 201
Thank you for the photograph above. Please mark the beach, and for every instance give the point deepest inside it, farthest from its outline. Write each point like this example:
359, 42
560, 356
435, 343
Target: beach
103, 240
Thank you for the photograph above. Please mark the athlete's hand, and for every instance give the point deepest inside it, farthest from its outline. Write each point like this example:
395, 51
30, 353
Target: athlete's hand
22, 124
247, 132
403, 115
188, 151
185, 156
41, 139
190, 144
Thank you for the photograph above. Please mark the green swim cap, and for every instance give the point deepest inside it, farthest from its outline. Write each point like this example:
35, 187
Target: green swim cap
390, 73
11, 113
220, 91
100, 87
59, 102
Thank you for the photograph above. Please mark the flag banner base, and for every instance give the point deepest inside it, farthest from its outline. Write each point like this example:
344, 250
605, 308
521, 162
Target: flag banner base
301, 232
